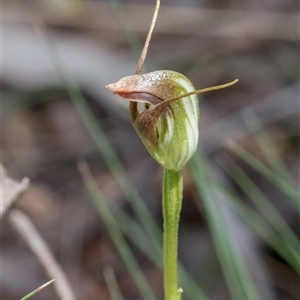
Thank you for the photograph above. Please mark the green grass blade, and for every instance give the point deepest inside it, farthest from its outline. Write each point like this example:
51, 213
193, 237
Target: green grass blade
112, 284
137, 236
238, 278
264, 230
267, 146
114, 164
264, 205
132, 38
37, 290
274, 178
116, 234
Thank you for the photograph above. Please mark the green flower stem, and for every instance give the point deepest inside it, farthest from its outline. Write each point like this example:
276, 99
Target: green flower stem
172, 201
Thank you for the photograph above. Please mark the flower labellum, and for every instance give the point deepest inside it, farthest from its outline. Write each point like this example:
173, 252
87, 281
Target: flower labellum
168, 126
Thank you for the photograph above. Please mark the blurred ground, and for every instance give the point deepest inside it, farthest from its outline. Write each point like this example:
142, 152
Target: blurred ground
43, 137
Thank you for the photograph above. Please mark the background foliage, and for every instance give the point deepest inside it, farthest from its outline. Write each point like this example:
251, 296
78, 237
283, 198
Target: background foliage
240, 219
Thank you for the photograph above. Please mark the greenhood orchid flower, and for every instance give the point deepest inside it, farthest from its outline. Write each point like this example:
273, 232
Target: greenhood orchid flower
168, 128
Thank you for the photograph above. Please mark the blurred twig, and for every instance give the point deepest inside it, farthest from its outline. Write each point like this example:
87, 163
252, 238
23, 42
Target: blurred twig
25, 228
10, 190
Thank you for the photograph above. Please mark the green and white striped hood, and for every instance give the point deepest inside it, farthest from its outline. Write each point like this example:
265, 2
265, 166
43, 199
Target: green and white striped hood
169, 125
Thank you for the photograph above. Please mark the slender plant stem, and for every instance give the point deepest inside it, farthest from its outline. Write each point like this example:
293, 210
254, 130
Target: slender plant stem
172, 201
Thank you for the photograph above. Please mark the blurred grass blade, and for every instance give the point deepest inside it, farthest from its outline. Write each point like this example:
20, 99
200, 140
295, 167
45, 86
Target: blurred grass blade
240, 283
114, 230
37, 290
103, 145
264, 205
267, 146
112, 284
274, 178
132, 38
117, 169
137, 236
264, 230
